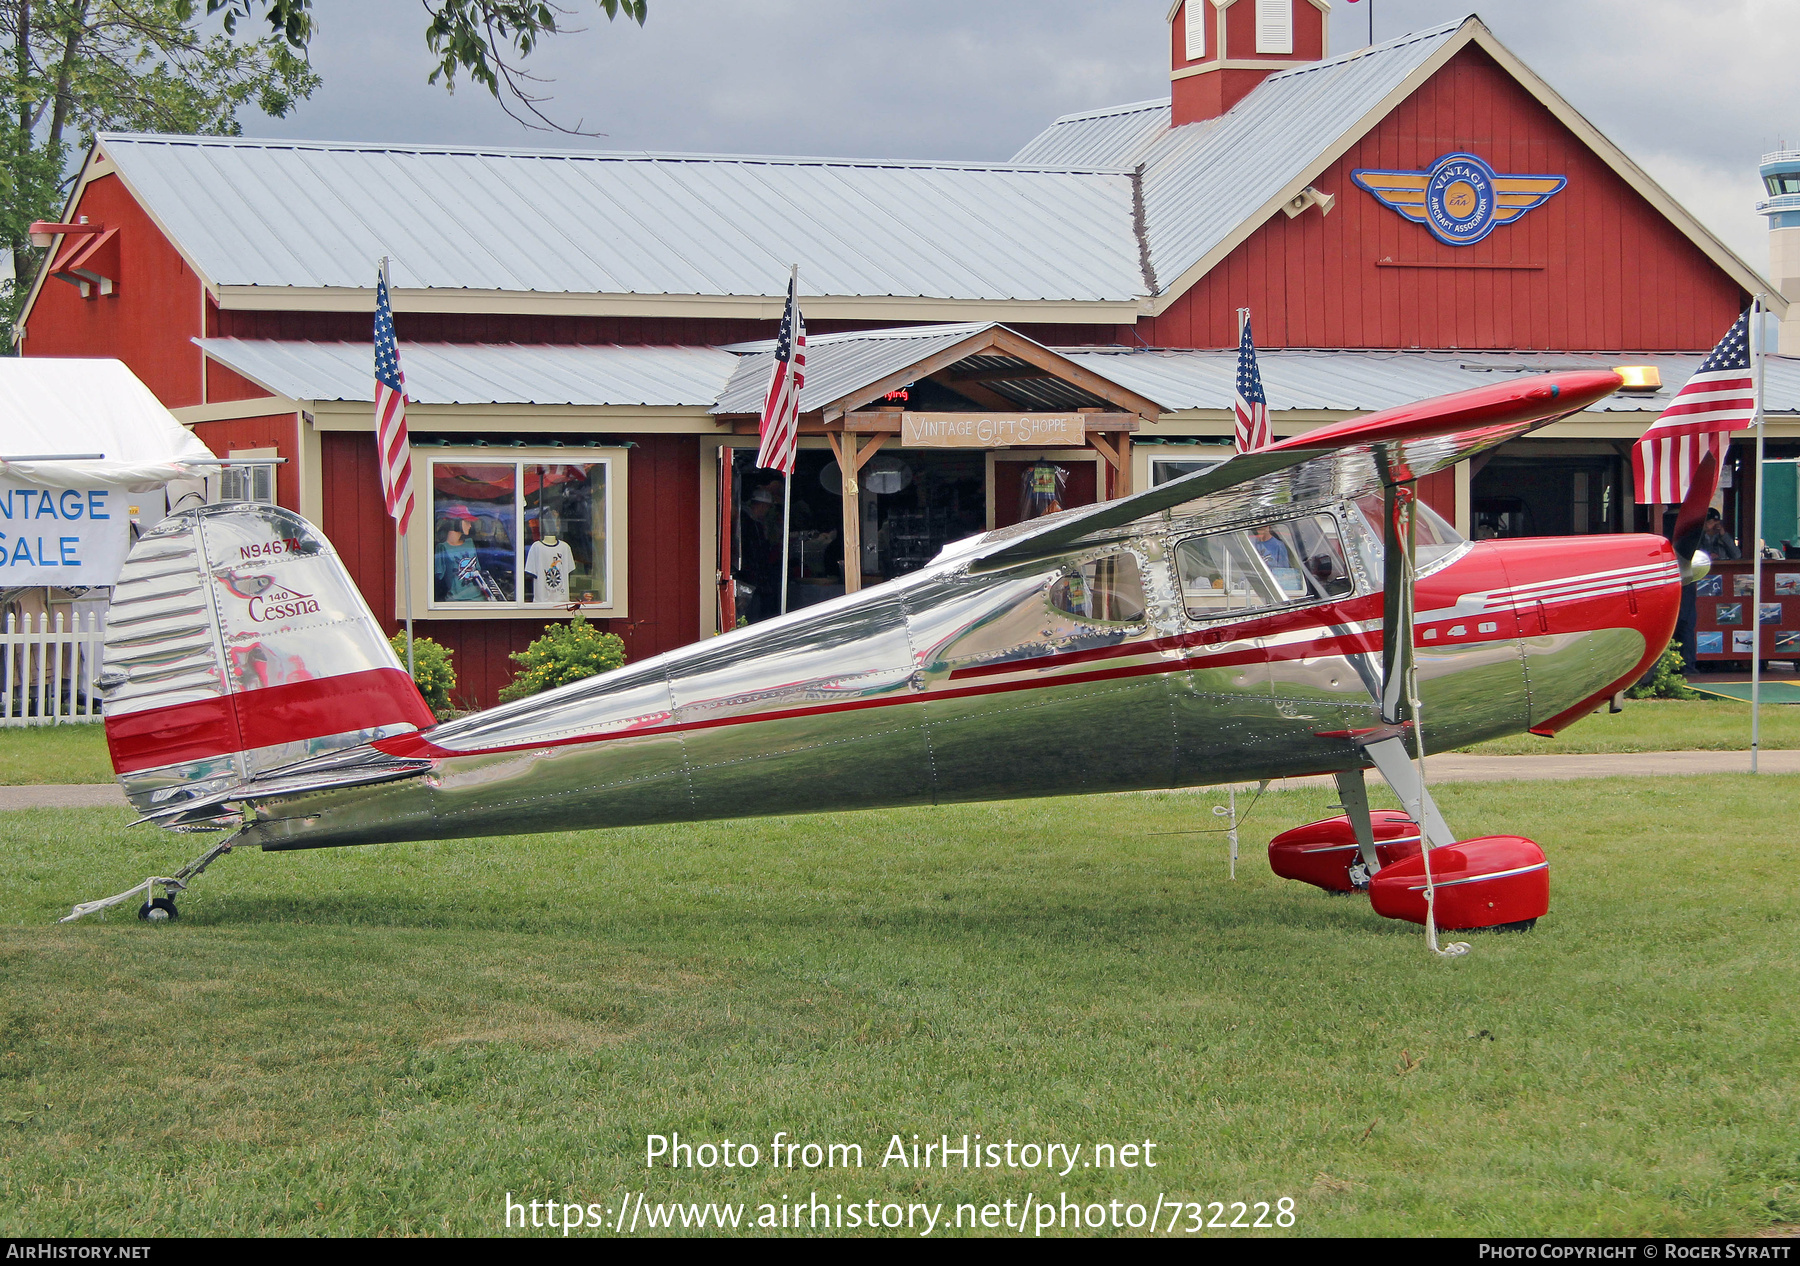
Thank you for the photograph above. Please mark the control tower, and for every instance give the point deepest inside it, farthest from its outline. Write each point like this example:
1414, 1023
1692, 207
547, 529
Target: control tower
1781, 178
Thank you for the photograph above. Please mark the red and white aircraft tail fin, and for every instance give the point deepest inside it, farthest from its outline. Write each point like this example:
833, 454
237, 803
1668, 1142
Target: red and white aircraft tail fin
236, 645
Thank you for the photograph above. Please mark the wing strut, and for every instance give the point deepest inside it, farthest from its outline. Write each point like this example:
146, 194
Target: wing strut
1400, 707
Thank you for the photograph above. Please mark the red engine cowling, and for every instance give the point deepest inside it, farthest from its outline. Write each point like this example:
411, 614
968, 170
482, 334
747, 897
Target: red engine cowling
1481, 883
1321, 853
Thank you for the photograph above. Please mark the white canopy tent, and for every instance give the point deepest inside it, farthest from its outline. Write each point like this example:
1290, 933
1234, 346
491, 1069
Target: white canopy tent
95, 410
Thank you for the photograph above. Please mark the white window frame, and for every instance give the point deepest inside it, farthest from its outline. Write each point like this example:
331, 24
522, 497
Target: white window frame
1201, 455
421, 538
1195, 15
1275, 26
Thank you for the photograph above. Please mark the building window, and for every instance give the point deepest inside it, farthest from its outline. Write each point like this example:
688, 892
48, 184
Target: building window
524, 534
1274, 26
1164, 469
248, 483
1197, 11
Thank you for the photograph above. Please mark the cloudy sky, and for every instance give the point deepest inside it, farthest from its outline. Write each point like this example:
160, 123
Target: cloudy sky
1694, 92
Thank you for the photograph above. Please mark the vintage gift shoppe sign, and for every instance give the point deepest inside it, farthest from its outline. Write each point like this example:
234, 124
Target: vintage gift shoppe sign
1459, 197
62, 537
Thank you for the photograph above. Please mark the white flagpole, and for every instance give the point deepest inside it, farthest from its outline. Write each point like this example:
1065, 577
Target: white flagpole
1756, 310
405, 545
787, 484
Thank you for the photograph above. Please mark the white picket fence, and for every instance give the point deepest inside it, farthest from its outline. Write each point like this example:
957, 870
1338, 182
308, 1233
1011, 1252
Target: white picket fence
47, 671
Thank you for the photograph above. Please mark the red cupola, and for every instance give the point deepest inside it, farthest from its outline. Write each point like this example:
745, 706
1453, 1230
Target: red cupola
1220, 49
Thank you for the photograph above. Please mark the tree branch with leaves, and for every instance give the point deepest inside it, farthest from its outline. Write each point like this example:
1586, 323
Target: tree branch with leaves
486, 40
79, 67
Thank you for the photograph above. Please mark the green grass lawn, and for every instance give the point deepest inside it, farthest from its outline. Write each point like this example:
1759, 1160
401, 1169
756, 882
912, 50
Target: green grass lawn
31, 755
387, 1040
1658, 725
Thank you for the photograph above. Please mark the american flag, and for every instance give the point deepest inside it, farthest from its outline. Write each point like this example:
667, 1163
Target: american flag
391, 444
1251, 407
780, 424
1716, 401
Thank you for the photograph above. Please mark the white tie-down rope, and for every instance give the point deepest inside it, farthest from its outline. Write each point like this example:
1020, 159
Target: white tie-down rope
1231, 832
1454, 949
171, 885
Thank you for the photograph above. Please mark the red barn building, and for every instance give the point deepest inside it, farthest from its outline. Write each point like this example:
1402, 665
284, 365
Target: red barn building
579, 331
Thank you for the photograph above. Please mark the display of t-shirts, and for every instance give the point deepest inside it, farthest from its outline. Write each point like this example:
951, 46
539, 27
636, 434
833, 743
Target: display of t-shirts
551, 564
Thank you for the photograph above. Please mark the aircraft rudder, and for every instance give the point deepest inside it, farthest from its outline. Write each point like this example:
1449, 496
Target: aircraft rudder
236, 643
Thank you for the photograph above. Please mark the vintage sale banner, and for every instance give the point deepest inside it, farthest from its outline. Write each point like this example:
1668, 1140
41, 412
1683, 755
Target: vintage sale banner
62, 537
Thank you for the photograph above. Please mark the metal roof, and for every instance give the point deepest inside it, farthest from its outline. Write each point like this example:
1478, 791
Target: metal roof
1112, 137
733, 380
1054, 224
303, 214
1203, 181
460, 373
838, 364
1353, 381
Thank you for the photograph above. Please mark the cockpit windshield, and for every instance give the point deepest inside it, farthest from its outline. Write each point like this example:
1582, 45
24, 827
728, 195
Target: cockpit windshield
1433, 538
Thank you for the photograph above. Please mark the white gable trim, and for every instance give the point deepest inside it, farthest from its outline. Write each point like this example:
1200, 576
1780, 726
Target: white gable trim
1473, 31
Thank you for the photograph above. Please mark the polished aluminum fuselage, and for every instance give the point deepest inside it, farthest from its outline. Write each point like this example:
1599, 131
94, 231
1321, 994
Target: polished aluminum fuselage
952, 685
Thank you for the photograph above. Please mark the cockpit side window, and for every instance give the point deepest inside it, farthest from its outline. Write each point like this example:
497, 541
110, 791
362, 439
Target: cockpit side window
1270, 565
1107, 590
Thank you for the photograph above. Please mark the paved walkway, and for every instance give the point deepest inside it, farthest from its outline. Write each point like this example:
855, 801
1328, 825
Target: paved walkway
1447, 768
1456, 767
81, 795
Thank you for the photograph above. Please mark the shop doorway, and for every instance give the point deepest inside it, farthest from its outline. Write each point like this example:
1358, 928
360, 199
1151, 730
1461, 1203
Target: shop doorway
1571, 495
914, 502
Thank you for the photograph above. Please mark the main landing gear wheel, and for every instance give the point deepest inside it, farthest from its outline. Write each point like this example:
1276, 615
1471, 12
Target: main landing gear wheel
158, 910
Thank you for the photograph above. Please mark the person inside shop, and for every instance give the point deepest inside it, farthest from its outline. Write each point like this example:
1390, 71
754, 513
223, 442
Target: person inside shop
1716, 541
759, 556
1274, 553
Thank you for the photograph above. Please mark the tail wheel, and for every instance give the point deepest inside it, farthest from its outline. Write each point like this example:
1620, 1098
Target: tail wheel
158, 910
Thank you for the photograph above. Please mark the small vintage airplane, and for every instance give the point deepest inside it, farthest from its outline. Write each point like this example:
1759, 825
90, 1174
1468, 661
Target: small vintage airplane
1241, 623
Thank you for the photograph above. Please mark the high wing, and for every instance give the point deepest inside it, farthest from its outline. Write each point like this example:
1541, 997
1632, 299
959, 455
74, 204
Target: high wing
1342, 460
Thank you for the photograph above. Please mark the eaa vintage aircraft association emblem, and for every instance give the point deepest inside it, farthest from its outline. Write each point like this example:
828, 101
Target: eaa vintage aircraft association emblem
1459, 198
